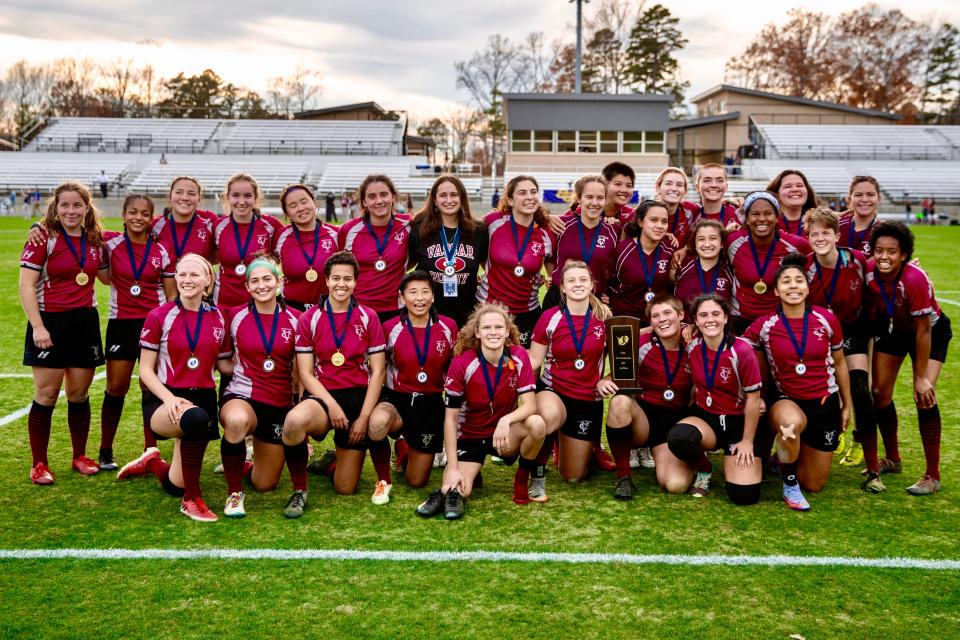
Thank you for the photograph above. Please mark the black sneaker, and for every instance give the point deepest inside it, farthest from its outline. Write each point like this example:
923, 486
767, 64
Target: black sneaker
432, 506
624, 489
454, 507
321, 466
296, 504
106, 461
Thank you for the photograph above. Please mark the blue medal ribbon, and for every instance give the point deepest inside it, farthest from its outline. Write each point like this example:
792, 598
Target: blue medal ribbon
581, 339
381, 246
192, 340
799, 347
450, 248
245, 246
338, 338
491, 388
421, 355
178, 248
587, 255
649, 275
710, 374
666, 363
855, 238
828, 291
786, 223
267, 345
890, 302
81, 257
703, 279
137, 271
762, 271
521, 248
309, 257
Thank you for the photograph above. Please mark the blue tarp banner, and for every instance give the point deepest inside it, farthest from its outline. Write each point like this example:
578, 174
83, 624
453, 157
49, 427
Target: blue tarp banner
566, 195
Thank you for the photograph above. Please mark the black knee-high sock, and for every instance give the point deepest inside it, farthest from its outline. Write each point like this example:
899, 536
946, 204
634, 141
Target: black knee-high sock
78, 420
232, 454
866, 415
930, 428
887, 422
788, 473
110, 413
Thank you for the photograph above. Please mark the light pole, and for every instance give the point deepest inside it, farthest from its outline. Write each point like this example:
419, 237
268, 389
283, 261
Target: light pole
580, 3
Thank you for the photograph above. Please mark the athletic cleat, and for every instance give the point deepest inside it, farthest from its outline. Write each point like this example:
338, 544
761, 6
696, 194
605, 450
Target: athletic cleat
646, 458
453, 509
85, 466
873, 483
296, 504
197, 510
624, 489
925, 486
841, 444
496, 460
433, 505
381, 492
321, 466
793, 498
538, 490
138, 467
41, 474
701, 485
853, 457
634, 458
105, 460
234, 507
603, 460
440, 459
218, 468
890, 466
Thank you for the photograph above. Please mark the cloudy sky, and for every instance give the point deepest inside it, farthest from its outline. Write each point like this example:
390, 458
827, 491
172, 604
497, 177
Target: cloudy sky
400, 54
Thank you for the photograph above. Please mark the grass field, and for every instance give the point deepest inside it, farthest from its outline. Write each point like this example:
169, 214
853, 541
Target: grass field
381, 598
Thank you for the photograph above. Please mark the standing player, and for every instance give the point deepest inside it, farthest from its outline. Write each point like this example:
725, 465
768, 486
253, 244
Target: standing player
812, 403
796, 197
569, 342
491, 410
303, 247
726, 406
378, 240
260, 392
641, 267
419, 348
62, 344
670, 188
856, 224
520, 246
712, 185
450, 245
182, 342
909, 321
141, 278
185, 229
706, 271
341, 365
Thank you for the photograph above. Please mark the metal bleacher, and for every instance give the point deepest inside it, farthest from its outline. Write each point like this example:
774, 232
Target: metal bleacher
125, 135
271, 172
408, 173
47, 170
367, 137
860, 142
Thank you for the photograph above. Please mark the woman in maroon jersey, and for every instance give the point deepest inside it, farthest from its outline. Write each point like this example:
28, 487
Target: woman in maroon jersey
341, 366
712, 184
379, 240
419, 348
726, 407
62, 344
569, 342
491, 410
239, 237
520, 247
857, 224
641, 266
796, 197
645, 420
185, 228
706, 271
141, 278
810, 405
183, 342
260, 392
908, 321
670, 188
303, 247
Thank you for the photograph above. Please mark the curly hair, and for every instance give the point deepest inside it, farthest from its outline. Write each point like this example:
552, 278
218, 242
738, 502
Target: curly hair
467, 339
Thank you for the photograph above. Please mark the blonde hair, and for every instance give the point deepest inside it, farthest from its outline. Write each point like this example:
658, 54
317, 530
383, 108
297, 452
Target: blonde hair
710, 165
467, 339
824, 217
91, 219
242, 177
600, 310
207, 267
664, 172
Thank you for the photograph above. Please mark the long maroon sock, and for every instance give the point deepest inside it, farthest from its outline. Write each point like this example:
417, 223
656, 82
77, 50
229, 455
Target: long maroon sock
191, 461
78, 420
38, 427
930, 427
543, 456
233, 455
620, 440
149, 438
158, 467
887, 423
380, 456
110, 413
296, 456
868, 440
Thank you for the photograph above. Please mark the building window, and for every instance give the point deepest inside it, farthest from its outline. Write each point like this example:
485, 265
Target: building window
543, 141
520, 141
609, 142
654, 142
566, 141
633, 142
587, 142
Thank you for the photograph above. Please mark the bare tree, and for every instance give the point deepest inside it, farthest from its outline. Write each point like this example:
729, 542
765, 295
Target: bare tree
27, 88
463, 123
147, 87
536, 76
606, 63
119, 76
296, 92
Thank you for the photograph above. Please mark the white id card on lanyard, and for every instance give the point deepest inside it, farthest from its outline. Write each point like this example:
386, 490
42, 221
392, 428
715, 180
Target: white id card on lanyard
450, 286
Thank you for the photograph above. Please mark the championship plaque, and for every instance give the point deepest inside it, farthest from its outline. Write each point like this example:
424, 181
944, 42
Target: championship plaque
622, 335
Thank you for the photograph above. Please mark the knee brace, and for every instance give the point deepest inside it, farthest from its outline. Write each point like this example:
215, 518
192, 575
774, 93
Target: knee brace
194, 423
743, 494
683, 440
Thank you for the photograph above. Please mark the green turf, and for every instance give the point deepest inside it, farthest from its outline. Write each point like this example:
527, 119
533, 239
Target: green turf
203, 598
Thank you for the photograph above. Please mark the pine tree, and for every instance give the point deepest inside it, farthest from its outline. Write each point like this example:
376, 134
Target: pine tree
652, 67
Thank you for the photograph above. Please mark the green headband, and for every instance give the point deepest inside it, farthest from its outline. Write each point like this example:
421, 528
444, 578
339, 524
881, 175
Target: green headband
266, 264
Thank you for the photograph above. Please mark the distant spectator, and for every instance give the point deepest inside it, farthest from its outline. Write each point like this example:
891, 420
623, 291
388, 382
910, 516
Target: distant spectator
933, 211
12, 200
163, 158
344, 206
331, 207
104, 183
409, 203
924, 209
907, 210
495, 200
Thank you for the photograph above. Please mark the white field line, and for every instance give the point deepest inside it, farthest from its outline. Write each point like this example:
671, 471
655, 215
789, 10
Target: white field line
19, 413
476, 556
953, 302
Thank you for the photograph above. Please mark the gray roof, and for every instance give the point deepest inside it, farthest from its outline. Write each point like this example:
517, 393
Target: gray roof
795, 100
590, 97
699, 122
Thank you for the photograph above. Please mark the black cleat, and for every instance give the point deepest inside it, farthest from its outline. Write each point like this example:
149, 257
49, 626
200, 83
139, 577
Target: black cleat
624, 489
106, 461
321, 466
432, 506
454, 507
296, 504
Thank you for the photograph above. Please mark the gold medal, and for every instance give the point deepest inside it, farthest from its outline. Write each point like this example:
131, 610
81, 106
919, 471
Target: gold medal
82, 279
760, 288
311, 275
337, 359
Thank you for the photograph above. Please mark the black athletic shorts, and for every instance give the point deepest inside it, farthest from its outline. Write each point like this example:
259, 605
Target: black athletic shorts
351, 401
76, 341
823, 421
901, 343
269, 418
422, 415
526, 322
728, 429
661, 420
856, 338
584, 417
478, 450
123, 339
205, 399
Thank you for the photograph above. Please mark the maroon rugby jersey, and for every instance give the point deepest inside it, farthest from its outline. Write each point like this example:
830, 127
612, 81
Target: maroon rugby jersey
403, 365
603, 241
679, 223
362, 336
165, 331
843, 285
746, 302
691, 281
559, 371
194, 236
737, 373
297, 256
57, 288
727, 214
499, 283
156, 266
911, 295
793, 227
853, 239
250, 379
230, 289
628, 279
379, 290
652, 373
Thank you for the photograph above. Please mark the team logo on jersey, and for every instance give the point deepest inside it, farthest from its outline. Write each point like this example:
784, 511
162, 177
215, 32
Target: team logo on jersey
427, 439
536, 248
725, 373
819, 333
662, 265
286, 334
155, 262
261, 240
399, 236
512, 380
202, 235
441, 347
218, 334
524, 336
828, 437
326, 244
601, 242
854, 285
584, 426
721, 284
143, 333
27, 254
359, 329
598, 332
